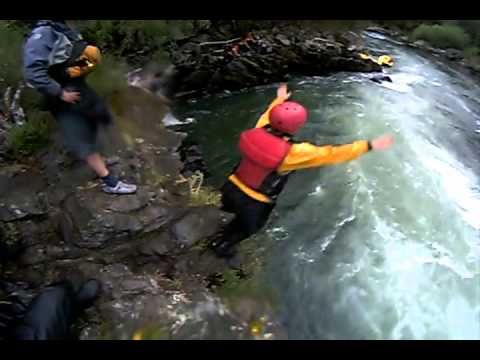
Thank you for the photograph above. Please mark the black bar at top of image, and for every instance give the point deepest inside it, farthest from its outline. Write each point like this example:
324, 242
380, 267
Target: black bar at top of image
264, 9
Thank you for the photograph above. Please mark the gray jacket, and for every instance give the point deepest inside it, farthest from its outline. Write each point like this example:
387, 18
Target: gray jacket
49, 44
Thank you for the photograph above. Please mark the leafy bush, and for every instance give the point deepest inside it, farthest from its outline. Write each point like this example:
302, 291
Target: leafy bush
109, 77
34, 135
11, 44
471, 52
121, 37
404, 25
442, 36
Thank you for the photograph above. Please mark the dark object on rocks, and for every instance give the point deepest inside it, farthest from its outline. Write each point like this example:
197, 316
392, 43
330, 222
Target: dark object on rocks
379, 79
6, 253
9, 252
51, 314
192, 158
454, 54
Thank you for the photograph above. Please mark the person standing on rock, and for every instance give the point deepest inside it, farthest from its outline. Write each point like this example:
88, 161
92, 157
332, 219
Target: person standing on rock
56, 63
269, 155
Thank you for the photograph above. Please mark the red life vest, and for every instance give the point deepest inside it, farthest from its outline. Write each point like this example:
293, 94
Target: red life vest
262, 154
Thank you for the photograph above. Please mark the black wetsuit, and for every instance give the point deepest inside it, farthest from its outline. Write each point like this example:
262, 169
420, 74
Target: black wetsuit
250, 216
52, 313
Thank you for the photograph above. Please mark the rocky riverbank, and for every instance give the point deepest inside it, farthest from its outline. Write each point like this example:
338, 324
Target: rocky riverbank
211, 62
137, 245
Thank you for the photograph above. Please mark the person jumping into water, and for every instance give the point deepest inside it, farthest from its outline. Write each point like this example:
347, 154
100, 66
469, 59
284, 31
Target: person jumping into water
269, 155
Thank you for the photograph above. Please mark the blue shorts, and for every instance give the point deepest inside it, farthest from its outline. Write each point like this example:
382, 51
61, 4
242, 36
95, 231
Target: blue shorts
79, 122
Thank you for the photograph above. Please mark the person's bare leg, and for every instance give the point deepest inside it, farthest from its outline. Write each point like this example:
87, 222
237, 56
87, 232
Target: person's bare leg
112, 184
96, 162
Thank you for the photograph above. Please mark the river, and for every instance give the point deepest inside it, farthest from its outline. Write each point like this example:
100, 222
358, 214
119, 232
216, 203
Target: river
387, 246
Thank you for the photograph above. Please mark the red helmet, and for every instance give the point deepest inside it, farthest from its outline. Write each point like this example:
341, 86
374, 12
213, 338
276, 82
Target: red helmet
288, 117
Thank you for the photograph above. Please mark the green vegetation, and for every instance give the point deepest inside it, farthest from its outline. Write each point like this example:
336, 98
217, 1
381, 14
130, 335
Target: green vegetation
457, 34
34, 135
471, 52
11, 42
403, 25
443, 36
129, 38
120, 37
110, 77
202, 195
205, 196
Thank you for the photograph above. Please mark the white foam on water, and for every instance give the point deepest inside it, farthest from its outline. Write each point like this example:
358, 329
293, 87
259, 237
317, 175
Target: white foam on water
170, 120
459, 183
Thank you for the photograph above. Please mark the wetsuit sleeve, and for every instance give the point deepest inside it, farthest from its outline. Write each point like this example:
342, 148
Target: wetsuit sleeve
306, 155
264, 119
35, 63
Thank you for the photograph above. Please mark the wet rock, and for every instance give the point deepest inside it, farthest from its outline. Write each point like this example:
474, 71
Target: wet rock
89, 270
129, 203
157, 216
24, 208
205, 262
379, 30
113, 160
28, 200
26, 233
86, 221
454, 54
421, 43
90, 332
283, 40
135, 286
200, 223
120, 223
160, 244
55, 252
34, 255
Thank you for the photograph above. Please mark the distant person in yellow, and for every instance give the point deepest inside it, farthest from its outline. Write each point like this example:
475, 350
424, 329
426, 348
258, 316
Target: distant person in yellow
383, 60
269, 155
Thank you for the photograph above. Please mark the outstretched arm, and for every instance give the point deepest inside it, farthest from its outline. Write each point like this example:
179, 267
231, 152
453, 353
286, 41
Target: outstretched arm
306, 155
282, 96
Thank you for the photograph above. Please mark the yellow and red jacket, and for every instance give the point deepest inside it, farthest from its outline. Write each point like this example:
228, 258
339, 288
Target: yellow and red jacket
298, 156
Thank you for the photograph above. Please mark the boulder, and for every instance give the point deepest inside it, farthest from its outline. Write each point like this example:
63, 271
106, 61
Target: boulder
157, 245
421, 43
87, 220
454, 54
27, 200
199, 223
282, 39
